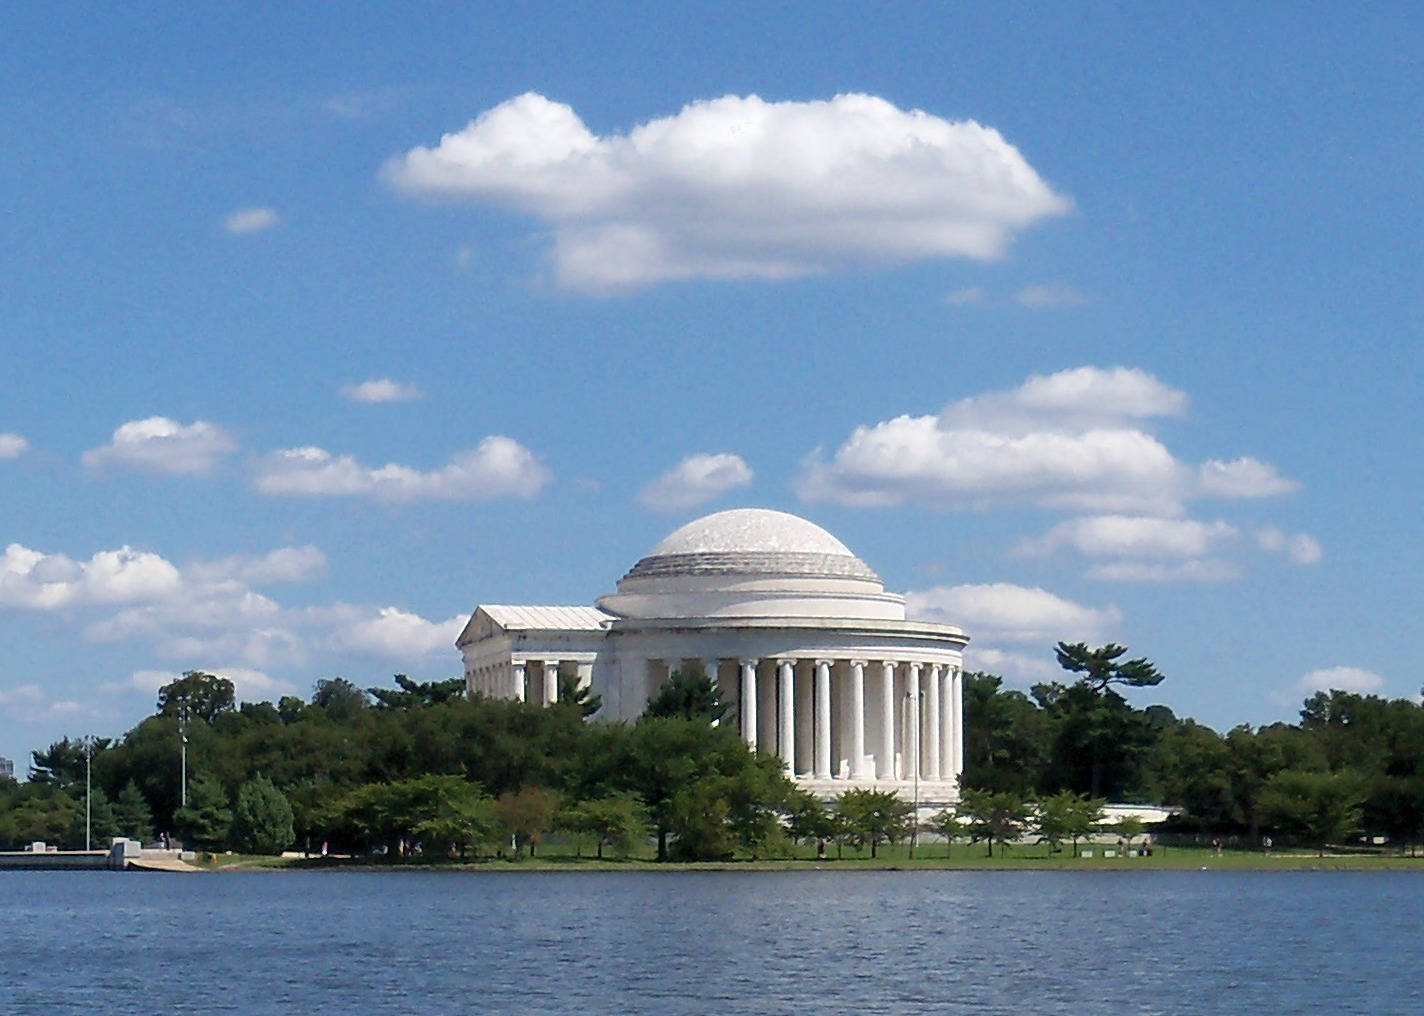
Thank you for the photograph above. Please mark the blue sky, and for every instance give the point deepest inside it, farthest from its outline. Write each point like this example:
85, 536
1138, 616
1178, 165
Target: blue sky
323, 326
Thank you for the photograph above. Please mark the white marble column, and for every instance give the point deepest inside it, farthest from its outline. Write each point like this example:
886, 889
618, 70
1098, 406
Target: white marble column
956, 760
946, 722
887, 720
709, 667
857, 719
749, 703
823, 720
912, 734
551, 682
517, 674
933, 724
585, 676
786, 721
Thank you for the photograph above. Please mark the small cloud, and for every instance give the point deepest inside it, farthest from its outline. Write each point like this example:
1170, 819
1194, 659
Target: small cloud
695, 480
285, 564
1352, 679
251, 220
1301, 548
382, 390
1130, 537
33, 580
964, 297
497, 467
1050, 295
1004, 612
399, 634
1018, 668
1206, 570
12, 446
1242, 478
164, 446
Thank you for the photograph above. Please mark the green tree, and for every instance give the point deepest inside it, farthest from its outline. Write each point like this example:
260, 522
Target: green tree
417, 694
132, 815
341, 700
1101, 667
206, 696
62, 763
207, 820
873, 817
616, 821
526, 815
689, 694
698, 819
949, 827
262, 818
580, 696
994, 817
1318, 808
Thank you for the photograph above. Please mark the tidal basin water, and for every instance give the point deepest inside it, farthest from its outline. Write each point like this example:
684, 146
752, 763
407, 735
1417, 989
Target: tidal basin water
713, 942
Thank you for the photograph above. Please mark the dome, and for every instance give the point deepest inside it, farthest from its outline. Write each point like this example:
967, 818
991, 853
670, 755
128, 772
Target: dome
751, 541
751, 562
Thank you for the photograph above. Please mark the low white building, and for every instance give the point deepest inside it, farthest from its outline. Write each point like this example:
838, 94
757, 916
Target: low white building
816, 661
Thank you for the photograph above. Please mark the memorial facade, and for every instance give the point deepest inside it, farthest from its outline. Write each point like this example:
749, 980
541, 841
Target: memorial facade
816, 661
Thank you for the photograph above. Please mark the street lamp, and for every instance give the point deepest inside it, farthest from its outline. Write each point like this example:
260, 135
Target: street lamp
183, 753
88, 741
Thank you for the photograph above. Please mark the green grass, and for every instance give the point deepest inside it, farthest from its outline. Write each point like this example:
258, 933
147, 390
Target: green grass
928, 857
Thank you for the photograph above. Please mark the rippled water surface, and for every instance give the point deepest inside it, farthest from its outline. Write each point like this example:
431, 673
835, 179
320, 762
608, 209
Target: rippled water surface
685, 943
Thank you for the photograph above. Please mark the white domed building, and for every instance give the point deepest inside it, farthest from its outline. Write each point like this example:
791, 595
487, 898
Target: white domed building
815, 660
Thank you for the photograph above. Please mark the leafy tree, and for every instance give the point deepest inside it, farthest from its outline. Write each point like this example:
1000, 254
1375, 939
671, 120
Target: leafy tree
39, 811
526, 815
101, 826
132, 815
1128, 828
808, 819
1101, 667
206, 696
62, 763
689, 694
1005, 736
339, 698
1319, 808
262, 818
207, 820
873, 817
994, 817
417, 694
615, 821
461, 817
578, 695
698, 821
948, 826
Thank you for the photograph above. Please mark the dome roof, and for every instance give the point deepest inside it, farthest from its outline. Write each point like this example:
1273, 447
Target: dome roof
751, 541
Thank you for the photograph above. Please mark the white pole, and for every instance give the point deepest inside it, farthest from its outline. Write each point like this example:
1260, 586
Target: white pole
88, 784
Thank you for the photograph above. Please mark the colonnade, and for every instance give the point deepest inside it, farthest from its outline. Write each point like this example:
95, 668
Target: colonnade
854, 719
526, 680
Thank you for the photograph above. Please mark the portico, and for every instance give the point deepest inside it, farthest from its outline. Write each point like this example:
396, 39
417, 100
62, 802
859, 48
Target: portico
817, 663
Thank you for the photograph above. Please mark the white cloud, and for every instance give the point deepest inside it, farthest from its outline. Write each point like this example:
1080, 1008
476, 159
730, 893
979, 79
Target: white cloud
12, 446
382, 390
738, 187
496, 467
1050, 295
1204, 570
24, 693
397, 634
695, 480
163, 445
285, 564
1018, 668
248, 685
34, 580
1244, 477
963, 297
1131, 536
1362, 682
1073, 440
1008, 613
251, 220
1301, 548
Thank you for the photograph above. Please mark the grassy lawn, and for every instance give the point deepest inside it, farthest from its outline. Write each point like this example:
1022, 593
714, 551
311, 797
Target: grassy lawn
929, 857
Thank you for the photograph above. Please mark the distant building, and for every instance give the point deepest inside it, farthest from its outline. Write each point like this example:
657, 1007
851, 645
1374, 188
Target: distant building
816, 660
7, 768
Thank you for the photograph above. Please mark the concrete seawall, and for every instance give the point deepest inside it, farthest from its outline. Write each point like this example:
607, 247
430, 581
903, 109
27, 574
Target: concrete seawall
56, 860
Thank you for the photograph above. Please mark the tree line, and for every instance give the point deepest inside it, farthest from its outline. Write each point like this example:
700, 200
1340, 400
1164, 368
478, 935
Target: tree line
420, 768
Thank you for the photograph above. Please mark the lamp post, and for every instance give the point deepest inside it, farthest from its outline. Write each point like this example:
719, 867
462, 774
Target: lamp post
183, 753
914, 709
88, 740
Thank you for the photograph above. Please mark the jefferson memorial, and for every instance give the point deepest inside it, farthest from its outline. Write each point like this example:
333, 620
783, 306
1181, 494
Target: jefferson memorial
815, 660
